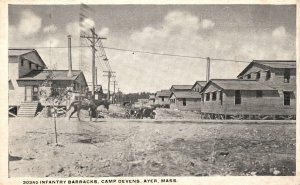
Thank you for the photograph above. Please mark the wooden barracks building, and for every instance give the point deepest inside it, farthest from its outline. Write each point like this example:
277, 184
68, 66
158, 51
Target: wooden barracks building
263, 90
27, 71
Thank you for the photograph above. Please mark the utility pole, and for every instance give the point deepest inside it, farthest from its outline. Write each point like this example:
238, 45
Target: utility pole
94, 38
109, 75
114, 96
207, 69
96, 80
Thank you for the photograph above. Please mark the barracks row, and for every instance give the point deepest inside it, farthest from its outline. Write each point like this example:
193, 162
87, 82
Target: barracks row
264, 89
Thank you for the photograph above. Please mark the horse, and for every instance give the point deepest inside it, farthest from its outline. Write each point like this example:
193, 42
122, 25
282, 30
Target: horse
89, 105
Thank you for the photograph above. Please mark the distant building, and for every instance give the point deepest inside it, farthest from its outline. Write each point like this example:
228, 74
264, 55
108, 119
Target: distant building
185, 100
181, 88
152, 99
162, 97
198, 86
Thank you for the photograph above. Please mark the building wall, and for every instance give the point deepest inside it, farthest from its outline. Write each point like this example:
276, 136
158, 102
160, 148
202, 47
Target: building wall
191, 104
272, 103
15, 93
197, 88
276, 80
159, 100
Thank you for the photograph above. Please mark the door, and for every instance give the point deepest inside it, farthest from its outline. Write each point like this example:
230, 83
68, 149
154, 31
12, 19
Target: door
28, 93
35, 93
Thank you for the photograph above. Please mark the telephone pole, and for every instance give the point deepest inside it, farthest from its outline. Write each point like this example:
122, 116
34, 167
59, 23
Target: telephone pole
207, 69
109, 75
94, 38
114, 95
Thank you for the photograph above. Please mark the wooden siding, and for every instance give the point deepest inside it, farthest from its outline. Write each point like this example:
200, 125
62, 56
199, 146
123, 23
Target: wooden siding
277, 77
191, 104
197, 88
158, 100
270, 104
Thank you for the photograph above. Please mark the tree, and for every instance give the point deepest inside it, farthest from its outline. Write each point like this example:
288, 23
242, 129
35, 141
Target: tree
52, 96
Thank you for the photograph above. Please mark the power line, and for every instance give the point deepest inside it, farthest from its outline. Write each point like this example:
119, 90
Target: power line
145, 52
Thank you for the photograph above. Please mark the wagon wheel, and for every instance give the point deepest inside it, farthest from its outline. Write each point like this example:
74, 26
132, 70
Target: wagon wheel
127, 115
139, 115
152, 115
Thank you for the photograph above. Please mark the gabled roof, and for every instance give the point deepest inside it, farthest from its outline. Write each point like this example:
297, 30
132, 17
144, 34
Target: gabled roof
186, 94
57, 75
19, 52
201, 83
163, 93
23, 52
181, 87
275, 64
237, 84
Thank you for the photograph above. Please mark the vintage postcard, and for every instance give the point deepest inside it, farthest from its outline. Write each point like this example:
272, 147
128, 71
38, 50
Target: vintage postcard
149, 92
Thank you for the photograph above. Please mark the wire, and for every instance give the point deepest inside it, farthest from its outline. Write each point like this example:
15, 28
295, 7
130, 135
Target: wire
145, 52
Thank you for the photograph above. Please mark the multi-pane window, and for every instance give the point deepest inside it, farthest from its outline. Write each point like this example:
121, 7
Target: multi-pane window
268, 75
258, 75
287, 75
221, 97
207, 97
214, 96
184, 102
248, 76
259, 94
238, 98
287, 98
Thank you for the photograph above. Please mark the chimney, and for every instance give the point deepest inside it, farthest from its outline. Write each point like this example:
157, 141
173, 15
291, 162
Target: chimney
207, 69
70, 57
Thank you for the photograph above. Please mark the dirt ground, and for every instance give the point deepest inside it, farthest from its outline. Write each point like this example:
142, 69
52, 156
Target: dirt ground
120, 147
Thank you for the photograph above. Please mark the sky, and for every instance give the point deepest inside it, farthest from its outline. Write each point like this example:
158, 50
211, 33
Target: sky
234, 32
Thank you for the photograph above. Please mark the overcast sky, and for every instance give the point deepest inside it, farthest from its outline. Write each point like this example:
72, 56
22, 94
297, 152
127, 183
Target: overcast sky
238, 32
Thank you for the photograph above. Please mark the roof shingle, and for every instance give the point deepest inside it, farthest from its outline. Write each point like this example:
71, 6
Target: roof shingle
57, 75
18, 52
187, 94
239, 84
181, 87
163, 93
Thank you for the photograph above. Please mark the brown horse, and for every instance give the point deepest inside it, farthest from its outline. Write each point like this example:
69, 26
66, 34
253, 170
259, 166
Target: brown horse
89, 105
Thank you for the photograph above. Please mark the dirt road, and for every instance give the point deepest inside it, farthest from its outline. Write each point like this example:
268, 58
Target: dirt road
115, 147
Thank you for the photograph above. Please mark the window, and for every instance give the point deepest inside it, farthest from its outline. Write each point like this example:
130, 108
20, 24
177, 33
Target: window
207, 97
214, 96
248, 76
162, 98
268, 75
35, 89
221, 97
36, 66
257, 75
238, 97
29, 65
10, 85
259, 94
286, 98
22, 62
287, 75
184, 102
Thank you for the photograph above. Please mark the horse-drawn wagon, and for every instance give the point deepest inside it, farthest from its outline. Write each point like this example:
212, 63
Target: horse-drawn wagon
140, 112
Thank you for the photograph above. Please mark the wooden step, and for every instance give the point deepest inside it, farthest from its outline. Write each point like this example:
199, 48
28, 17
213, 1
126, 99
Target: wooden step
27, 109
